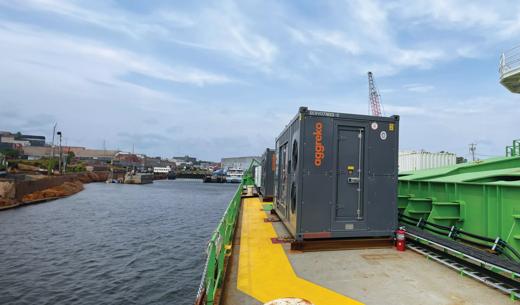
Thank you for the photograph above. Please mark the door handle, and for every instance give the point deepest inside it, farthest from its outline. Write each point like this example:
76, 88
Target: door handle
353, 179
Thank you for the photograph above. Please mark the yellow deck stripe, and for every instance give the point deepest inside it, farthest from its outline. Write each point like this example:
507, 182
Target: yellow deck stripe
264, 270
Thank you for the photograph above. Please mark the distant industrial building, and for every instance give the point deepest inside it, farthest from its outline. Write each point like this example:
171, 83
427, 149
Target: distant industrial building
206, 164
21, 140
94, 154
238, 162
81, 153
184, 161
125, 159
153, 163
418, 160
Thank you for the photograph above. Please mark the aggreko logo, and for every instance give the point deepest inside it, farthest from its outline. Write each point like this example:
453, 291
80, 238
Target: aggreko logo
319, 149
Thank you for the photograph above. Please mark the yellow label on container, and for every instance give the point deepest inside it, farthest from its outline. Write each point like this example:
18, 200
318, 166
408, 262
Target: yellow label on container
350, 167
391, 127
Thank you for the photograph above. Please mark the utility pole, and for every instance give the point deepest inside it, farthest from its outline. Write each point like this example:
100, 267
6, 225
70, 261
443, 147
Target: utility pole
60, 153
49, 169
472, 149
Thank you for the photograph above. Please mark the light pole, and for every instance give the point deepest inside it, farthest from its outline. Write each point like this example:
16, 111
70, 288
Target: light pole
472, 148
51, 161
60, 153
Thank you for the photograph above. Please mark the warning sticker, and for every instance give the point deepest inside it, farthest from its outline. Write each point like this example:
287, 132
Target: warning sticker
374, 125
391, 126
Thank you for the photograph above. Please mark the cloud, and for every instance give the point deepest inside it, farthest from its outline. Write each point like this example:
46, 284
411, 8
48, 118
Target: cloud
221, 28
387, 90
32, 124
445, 13
404, 110
224, 78
421, 88
227, 30
469, 29
103, 16
44, 47
452, 124
416, 58
364, 31
334, 39
367, 41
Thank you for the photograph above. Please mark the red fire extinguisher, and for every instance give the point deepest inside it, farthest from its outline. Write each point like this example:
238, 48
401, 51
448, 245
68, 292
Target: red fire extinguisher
400, 239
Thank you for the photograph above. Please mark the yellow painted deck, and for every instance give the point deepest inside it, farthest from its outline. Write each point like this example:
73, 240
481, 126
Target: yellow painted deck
264, 270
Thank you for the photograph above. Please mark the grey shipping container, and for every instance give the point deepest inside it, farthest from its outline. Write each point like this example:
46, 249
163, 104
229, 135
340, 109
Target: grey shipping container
336, 175
268, 172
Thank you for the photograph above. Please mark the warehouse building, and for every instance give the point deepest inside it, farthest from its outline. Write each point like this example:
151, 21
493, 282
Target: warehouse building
21, 139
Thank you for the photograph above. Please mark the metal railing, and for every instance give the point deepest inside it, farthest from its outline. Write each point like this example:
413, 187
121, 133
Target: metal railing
509, 61
220, 245
497, 245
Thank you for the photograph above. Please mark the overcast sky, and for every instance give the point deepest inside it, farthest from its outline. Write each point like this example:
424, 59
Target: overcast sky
222, 78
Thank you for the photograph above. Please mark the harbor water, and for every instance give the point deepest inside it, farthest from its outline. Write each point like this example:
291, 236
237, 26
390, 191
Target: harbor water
111, 244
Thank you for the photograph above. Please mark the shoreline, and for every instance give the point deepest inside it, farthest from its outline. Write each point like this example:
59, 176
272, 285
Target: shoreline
43, 189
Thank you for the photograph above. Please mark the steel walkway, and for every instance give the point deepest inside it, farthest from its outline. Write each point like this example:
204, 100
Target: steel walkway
509, 69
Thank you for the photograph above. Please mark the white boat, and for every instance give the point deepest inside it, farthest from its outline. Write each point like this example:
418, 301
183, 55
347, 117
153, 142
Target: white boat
234, 175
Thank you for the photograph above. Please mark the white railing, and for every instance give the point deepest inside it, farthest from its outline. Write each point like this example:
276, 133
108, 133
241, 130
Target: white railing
509, 61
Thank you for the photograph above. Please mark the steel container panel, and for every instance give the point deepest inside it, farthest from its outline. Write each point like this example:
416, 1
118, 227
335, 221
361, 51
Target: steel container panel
268, 171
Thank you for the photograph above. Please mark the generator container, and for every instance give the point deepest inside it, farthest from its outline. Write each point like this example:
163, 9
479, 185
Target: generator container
336, 175
268, 173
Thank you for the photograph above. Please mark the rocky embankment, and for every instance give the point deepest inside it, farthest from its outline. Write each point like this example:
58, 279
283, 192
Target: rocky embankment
42, 188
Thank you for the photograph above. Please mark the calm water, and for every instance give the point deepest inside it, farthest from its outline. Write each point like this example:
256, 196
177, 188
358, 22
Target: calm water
111, 244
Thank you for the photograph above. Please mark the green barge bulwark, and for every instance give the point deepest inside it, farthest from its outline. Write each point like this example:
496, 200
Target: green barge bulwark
475, 202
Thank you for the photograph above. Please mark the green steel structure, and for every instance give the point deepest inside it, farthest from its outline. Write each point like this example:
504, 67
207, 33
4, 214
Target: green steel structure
480, 198
513, 150
220, 244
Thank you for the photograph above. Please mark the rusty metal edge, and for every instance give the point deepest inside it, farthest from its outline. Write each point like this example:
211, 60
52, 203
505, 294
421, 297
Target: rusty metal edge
341, 244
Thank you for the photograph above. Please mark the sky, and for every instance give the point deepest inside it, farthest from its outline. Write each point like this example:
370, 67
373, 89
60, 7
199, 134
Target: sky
215, 79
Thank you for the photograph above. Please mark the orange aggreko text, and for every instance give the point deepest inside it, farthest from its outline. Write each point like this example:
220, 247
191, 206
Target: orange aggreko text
319, 149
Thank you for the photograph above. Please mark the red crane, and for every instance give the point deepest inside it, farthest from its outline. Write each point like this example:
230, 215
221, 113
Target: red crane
374, 98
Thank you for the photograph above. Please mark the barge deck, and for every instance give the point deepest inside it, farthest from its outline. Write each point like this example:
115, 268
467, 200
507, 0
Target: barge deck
260, 271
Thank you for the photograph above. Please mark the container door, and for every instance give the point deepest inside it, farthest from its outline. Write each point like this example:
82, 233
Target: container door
349, 178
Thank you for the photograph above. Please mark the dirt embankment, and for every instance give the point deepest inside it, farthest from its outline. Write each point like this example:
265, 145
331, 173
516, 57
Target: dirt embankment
63, 190
93, 177
43, 188
4, 203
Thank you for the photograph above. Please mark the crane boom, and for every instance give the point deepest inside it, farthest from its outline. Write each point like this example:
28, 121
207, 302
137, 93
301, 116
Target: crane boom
374, 98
